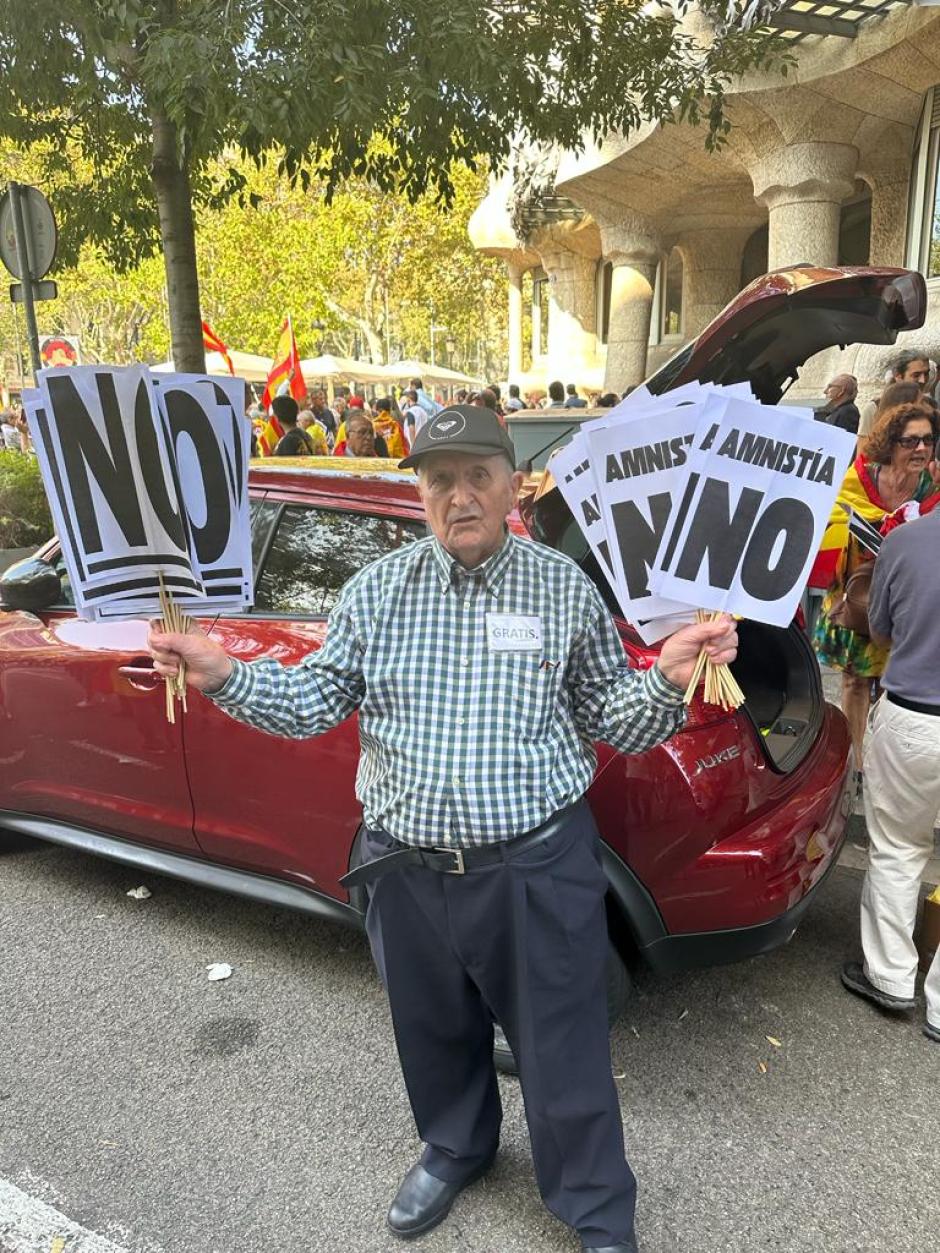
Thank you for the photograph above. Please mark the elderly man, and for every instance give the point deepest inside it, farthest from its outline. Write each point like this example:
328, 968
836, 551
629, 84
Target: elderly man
483, 667
360, 439
839, 409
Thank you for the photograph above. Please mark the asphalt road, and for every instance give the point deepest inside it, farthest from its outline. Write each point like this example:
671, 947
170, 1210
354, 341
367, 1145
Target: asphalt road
170, 1114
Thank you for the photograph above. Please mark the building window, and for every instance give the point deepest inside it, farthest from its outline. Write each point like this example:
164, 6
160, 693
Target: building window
754, 256
855, 228
672, 276
923, 219
603, 286
539, 313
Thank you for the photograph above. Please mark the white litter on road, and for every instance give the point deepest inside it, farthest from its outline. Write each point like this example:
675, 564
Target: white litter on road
28, 1225
219, 970
140, 894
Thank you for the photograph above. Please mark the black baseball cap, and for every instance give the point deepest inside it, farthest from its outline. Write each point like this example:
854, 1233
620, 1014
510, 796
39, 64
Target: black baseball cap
462, 428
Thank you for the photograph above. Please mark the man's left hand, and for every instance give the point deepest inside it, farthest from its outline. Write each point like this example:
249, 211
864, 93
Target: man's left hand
680, 652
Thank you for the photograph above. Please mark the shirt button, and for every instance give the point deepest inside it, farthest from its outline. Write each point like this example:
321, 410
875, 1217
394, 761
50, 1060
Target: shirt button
456, 780
461, 722
465, 661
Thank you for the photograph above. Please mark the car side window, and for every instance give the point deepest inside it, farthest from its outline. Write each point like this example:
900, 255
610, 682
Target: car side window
316, 551
67, 597
263, 513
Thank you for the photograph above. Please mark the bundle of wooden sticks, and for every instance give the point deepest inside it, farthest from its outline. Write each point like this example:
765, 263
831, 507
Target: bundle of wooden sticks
174, 620
721, 688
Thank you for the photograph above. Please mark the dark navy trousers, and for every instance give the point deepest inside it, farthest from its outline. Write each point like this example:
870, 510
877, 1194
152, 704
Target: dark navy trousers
523, 941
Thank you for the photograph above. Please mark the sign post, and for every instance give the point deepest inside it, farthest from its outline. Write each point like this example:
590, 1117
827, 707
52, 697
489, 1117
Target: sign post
28, 224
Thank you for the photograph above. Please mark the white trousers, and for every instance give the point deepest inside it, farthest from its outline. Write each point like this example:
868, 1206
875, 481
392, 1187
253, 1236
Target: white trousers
902, 795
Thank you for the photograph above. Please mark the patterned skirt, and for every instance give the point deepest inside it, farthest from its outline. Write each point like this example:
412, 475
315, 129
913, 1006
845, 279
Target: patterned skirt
843, 649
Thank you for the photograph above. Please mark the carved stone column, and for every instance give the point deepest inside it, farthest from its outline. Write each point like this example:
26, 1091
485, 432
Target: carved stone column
634, 248
711, 259
572, 318
515, 272
803, 186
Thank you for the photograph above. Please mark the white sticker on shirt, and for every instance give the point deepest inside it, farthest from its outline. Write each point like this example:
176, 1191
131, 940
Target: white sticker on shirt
513, 633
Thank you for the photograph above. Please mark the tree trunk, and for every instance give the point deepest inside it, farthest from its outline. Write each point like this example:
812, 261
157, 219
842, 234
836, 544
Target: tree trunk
175, 206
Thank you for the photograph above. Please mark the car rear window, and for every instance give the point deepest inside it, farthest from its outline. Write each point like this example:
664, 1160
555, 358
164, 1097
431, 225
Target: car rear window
314, 552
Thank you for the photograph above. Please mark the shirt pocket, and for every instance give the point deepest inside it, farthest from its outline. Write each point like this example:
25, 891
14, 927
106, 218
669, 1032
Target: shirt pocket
528, 691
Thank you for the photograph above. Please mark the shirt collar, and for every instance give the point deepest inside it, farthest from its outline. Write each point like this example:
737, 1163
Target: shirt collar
491, 571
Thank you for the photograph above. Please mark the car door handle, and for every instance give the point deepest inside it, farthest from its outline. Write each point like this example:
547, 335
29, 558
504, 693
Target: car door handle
141, 674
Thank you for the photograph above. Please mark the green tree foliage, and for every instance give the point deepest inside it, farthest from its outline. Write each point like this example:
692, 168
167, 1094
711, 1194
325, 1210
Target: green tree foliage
361, 273
152, 92
24, 511
339, 269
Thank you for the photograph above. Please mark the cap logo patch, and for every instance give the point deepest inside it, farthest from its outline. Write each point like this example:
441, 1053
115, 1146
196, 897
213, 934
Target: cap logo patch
446, 427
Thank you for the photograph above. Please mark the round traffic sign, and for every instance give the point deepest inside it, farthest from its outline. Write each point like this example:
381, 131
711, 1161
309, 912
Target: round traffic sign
41, 233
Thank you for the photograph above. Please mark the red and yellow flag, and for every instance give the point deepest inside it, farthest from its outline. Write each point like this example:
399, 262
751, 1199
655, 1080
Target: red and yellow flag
286, 368
269, 436
860, 494
211, 341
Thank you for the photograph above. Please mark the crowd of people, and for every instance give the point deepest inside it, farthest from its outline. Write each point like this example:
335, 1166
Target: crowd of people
387, 426
875, 626
893, 477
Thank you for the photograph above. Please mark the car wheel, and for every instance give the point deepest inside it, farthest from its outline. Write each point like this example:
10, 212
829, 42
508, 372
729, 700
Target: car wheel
619, 987
14, 842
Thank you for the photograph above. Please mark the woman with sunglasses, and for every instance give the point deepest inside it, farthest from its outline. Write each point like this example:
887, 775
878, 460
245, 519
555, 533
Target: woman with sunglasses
898, 467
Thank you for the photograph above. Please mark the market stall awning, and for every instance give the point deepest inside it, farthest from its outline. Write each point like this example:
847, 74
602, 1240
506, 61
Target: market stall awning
348, 368
404, 371
248, 365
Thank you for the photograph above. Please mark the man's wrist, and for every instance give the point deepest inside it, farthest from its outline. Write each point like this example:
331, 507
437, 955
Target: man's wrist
233, 686
661, 689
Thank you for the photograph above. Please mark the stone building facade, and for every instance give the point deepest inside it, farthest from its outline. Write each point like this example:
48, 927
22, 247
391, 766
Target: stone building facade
637, 244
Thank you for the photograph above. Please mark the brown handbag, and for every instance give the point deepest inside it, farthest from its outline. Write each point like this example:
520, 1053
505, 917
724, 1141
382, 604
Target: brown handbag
851, 610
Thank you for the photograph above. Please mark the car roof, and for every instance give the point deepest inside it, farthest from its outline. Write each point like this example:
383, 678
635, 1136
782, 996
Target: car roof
371, 480
376, 479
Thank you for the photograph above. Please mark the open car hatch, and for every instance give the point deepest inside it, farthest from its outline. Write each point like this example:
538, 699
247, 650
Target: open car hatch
782, 319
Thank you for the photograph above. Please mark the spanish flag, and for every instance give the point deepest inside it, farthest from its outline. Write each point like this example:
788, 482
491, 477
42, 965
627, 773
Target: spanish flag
272, 432
859, 493
211, 341
286, 368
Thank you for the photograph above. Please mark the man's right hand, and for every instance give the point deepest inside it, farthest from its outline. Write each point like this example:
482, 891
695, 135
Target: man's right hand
207, 663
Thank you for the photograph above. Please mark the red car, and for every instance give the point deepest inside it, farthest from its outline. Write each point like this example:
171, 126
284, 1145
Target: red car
713, 842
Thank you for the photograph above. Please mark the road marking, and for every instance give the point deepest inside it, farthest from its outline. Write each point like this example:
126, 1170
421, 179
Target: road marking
28, 1225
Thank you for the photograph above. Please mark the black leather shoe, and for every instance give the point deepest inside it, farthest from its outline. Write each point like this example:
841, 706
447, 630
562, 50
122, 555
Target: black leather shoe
855, 979
932, 1032
629, 1247
423, 1201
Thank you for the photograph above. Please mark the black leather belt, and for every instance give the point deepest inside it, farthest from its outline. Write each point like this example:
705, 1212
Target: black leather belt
456, 860
915, 706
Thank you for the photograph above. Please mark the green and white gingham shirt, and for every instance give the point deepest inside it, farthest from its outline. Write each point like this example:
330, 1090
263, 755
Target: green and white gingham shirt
463, 745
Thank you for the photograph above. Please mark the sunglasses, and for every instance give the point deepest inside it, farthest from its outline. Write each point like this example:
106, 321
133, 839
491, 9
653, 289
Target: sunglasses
912, 441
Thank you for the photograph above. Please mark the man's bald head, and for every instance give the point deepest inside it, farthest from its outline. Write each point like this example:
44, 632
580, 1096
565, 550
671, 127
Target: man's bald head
843, 388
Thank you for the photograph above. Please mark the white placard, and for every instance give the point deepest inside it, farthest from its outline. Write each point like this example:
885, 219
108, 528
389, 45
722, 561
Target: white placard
574, 474
760, 487
639, 465
145, 486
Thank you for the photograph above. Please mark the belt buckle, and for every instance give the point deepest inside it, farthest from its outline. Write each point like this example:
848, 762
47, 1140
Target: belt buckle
457, 854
